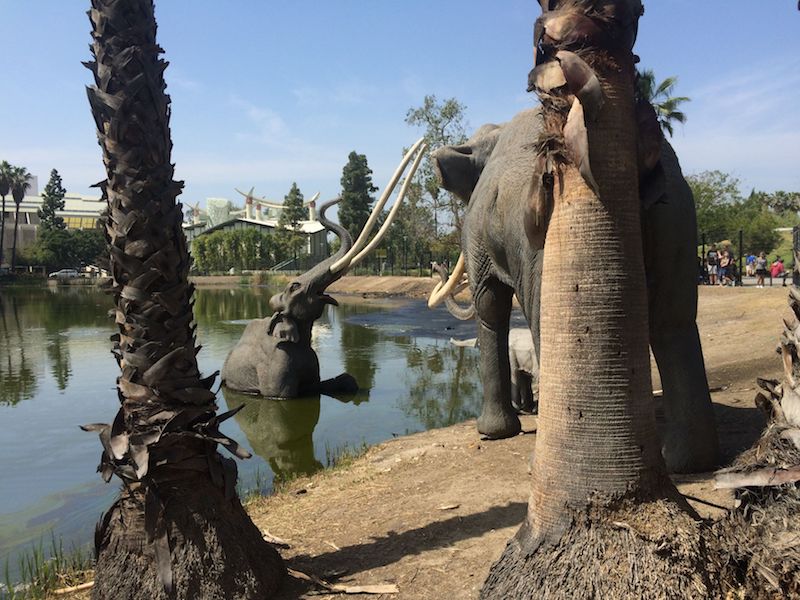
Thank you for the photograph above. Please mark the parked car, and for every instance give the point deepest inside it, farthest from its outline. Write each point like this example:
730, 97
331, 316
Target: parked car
64, 274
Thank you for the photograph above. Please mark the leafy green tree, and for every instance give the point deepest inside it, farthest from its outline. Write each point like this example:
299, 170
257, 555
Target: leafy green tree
784, 204
715, 194
357, 192
411, 236
52, 201
238, 248
20, 184
293, 211
443, 125
6, 171
88, 246
722, 212
659, 95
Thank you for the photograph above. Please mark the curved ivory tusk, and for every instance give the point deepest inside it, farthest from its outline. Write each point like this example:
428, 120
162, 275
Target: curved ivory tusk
393, 212
344, 262
445, 288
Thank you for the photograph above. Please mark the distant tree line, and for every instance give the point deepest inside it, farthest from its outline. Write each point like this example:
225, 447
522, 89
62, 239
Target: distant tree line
722, 211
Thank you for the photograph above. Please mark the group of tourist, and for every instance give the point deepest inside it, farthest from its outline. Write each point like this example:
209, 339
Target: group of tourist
720, 267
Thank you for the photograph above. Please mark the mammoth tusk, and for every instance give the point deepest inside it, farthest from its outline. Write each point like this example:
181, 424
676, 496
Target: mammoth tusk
445, 288
345, 261
392, 213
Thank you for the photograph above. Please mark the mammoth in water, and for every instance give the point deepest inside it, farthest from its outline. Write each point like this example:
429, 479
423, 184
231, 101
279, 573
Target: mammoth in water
495, 173
274, 356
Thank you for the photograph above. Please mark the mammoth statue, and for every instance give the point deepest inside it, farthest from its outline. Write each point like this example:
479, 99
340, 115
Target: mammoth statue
524, 367
495, 173
523, 362
274, 356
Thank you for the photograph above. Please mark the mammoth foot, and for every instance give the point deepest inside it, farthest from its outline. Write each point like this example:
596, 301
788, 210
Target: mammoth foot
687, 453
341, 384
499, 425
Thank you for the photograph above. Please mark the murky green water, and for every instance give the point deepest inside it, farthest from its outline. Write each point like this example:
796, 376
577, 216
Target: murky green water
56, 372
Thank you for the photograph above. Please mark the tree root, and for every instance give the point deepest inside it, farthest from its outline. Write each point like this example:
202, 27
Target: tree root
215, 551
651, 550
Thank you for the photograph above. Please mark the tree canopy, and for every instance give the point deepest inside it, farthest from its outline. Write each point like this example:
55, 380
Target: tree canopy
443, 124
293, 211
357, 189
722, 212
52, 201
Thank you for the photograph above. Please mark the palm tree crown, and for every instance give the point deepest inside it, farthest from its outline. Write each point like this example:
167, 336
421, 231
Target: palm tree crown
20, 183
659, 95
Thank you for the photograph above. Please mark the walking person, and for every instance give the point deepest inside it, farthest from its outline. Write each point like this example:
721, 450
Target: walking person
761, 269
777, 270
712, 257
724, 266
750, 264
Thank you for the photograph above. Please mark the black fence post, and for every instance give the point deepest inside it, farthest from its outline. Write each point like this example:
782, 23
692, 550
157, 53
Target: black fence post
703, 265
741, 253
795, 255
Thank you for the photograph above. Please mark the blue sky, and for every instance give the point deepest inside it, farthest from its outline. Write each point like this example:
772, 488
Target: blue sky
265, 92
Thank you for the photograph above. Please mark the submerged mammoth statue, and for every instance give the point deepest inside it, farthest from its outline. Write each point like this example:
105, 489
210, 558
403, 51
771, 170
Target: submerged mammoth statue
496, 172
274, 356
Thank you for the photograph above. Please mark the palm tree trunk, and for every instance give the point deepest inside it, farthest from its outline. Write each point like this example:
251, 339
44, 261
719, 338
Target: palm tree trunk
177, 529
14, 242
603, 517
2, 229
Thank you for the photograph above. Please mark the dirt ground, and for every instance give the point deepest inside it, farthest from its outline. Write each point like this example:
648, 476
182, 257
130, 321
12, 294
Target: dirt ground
432, 511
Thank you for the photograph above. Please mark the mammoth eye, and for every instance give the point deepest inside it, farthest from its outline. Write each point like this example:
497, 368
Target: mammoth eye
294, 287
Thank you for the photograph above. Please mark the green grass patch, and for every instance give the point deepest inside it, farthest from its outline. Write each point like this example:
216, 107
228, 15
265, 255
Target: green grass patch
42, 570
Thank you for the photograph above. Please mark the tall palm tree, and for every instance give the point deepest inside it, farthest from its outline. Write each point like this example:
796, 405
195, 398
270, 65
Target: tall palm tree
659, 96
177, 529
5, 187
20, 184
604, 520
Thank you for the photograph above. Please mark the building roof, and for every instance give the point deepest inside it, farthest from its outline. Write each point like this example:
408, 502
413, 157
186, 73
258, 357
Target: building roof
308, 227
76, 205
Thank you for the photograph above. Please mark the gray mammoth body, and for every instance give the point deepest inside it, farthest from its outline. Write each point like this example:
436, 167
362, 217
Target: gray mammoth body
274, 356
494, 173
524, 366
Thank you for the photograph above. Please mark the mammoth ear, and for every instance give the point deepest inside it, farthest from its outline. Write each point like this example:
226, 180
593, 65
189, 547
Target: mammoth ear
458, 168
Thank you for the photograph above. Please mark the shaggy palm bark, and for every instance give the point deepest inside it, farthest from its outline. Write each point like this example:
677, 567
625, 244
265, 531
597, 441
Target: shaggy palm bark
604, 521
177, 529
760, 537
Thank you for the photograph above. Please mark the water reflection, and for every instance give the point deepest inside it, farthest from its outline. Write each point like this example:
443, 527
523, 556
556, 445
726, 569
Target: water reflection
279, 431
56, 372
17, 378
358, 352
58, 353
443, 383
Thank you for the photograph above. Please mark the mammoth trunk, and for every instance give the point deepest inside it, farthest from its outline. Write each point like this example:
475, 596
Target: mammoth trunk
603, 518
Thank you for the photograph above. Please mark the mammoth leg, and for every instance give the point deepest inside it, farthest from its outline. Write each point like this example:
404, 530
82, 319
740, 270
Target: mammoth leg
525, 397
689, 434
493, 304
